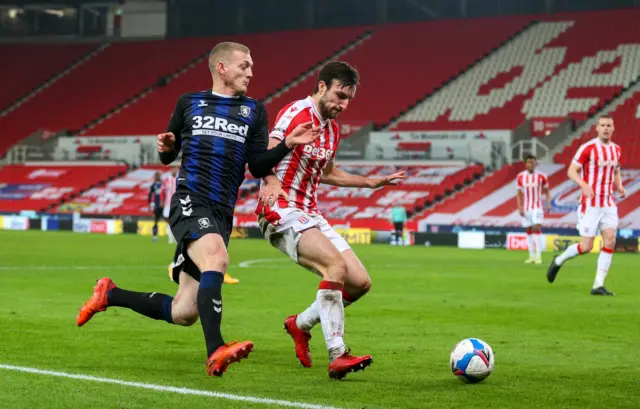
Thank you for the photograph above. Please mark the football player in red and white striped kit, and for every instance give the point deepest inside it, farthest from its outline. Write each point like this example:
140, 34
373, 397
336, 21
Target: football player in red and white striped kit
531, 185
599, 161
295, 226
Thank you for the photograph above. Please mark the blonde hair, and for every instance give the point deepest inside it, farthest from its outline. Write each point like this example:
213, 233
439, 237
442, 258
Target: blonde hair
221, 52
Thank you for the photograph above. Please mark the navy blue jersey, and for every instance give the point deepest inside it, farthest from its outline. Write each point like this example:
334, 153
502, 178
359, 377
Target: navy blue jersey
217, 135
155, 194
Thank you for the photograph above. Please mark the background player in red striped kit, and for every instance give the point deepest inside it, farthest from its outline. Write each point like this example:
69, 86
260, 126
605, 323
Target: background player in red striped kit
599, 161
531, 185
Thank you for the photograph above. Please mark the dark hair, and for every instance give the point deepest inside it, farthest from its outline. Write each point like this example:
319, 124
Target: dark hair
339, 71
530, 157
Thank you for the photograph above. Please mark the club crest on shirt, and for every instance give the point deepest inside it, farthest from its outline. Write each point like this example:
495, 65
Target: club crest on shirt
245, 111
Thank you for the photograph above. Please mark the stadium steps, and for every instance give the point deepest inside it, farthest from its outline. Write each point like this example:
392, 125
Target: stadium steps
450, 193
54, 78
163, 81
70, 197
394, 121
313, 70
607, 109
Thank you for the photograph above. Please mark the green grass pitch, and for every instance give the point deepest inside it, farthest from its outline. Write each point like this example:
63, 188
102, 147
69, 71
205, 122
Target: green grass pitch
556, 346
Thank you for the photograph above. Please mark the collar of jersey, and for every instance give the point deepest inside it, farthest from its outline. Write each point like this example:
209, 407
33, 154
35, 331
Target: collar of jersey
314, 109
223, 95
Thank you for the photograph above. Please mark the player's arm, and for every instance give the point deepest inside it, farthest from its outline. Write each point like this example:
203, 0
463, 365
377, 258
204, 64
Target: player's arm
150, 194
617, 182
574, 175
262, 160
337, 177
170, 142
519, 199
547, 194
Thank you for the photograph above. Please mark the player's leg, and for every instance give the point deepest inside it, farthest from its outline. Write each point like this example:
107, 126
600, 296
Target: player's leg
527, 223
317, 252
608, 227
154, 305
536, 233
588, 222
157, 214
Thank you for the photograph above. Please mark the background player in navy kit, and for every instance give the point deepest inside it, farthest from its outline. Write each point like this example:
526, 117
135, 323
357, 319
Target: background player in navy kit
219, 131
155, 202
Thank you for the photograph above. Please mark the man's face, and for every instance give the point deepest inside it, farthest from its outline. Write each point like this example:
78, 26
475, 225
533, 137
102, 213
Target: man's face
237, 71
605, 129
334, 99
530, 164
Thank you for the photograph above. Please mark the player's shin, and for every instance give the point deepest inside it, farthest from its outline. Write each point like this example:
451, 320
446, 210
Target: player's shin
210, 308
571, 252
308, 318
604, 263
539, 243
152, 305
531, 244
331, 311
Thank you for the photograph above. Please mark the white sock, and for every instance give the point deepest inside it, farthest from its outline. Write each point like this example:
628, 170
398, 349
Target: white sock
571, 252
329, 305
604, 262
170, 236
532, 245
308, 318
539, 245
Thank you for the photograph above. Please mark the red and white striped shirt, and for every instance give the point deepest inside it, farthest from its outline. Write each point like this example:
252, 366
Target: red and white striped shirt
531, 184
168, 189
599, 163
301, 170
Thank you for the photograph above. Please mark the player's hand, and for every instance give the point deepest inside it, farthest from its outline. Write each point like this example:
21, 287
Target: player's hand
587, 192
270, 193
165, 142
302, 134
392, 179
521, 211
622, 191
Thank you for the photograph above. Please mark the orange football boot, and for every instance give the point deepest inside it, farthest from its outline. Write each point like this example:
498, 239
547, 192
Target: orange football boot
226, 355
97, 302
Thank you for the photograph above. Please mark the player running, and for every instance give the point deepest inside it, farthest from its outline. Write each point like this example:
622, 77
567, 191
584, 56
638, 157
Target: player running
219, 131
155, 202
599, 160
531, 185
296, 227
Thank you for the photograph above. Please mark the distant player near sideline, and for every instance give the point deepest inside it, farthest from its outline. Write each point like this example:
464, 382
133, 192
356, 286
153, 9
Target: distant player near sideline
296, 227
168, 189
219, 131
599, 161
531, 185
155, 202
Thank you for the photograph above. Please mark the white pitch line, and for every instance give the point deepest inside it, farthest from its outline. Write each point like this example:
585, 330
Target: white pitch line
140, 267
173, 389
249, 263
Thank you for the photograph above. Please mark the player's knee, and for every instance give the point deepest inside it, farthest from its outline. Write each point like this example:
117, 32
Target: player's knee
586, 246
184, 313
609, 242
215, 260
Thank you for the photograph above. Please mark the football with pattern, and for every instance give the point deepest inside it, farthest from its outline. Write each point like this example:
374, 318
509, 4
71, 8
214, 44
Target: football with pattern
472, 360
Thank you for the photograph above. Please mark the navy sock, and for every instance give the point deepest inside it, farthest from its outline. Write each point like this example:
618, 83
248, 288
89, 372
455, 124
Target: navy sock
210, 308
155, 229
152, 305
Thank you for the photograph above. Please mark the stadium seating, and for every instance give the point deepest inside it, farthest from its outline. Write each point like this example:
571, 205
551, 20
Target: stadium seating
99, 85
569, 65
421, 56
21, 75
270, 74
35, 187
627, 124
492, 200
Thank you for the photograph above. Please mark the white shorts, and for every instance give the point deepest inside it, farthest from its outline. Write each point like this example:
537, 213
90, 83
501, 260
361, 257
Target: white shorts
596, 219
532, 217
286, 234
165, 212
